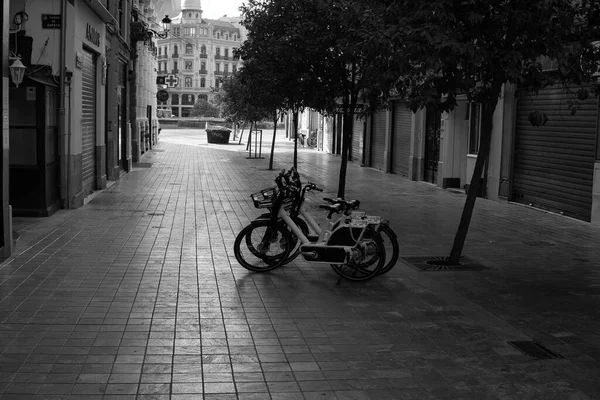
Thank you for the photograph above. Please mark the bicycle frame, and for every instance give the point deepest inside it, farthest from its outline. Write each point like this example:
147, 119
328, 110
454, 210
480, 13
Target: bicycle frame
322, 251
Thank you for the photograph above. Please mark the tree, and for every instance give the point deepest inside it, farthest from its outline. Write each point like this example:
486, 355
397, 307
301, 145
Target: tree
280, 49
443, 49
317, 52
203, 108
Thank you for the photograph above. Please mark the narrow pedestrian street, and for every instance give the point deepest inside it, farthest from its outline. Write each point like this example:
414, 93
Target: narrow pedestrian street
138, 295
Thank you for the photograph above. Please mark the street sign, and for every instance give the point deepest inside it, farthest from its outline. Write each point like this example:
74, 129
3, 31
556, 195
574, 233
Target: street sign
162, 95
160, 80
172, 81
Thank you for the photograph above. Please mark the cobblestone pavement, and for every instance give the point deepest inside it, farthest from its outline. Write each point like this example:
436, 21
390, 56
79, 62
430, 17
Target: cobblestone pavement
138, 294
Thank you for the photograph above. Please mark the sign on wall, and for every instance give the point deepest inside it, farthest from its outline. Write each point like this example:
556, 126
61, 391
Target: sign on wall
172, 81
51, 21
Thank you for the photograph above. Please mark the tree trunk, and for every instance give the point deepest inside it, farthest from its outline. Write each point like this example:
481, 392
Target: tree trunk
249, 144
273, 143
474, 187
347, 120
242, 133
295, 117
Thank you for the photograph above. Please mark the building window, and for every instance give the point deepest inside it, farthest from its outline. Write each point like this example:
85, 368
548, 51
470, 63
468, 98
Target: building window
197, 15
218, 52
189, 15
189, 49
188, 81
235, 36
474, 127
218, 67
121, 11
175, 49
226, 35
218, 34
202, 82
175, 66
234, 69
176, 31
226, 52
189, 65
203, 66
226, 68
203, 49
175, 99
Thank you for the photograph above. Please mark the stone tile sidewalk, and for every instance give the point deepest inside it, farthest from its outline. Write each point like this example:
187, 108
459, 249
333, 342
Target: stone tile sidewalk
137, 295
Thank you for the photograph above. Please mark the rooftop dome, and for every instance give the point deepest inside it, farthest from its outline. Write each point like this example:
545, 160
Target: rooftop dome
191, 5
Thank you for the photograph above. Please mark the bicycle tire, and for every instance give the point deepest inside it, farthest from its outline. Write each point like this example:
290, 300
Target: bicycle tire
370, 267
255, 252
392, 249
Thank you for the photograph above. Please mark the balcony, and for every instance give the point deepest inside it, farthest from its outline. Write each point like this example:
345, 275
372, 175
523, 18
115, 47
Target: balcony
203, 55
162, 72
175, 55
162, 56
222, 73
203, 72
175, 71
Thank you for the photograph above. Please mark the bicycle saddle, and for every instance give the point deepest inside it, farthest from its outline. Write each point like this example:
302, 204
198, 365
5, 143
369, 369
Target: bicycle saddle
351, 204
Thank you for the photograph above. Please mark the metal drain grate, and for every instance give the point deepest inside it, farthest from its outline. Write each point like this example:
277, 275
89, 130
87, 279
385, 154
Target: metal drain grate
534, 349
437, 263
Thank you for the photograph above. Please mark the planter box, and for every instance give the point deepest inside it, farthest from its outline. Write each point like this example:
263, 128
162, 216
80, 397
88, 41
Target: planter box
218, 135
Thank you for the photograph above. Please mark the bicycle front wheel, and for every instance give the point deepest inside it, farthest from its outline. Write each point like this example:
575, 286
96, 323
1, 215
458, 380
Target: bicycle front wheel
262, 246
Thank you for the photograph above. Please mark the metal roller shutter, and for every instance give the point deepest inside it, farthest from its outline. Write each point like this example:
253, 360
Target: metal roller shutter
554, 164
88, 121
357, 140
401, 132
378, 140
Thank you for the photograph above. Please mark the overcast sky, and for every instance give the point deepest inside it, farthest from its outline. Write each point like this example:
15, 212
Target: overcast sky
213, 9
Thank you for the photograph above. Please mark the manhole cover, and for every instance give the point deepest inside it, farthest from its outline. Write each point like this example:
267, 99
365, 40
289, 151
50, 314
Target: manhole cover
437, 263
534, 349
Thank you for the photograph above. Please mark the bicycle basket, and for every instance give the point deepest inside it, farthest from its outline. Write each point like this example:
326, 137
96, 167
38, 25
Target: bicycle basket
264, 198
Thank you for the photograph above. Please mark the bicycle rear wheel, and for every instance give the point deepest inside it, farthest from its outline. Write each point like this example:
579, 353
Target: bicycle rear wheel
367, 259
262, 246
392, 250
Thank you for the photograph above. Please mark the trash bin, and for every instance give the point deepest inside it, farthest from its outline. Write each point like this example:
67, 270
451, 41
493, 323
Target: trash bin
218, 134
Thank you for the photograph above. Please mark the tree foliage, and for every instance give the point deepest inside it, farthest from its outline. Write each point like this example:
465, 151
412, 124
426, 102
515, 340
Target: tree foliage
203, 108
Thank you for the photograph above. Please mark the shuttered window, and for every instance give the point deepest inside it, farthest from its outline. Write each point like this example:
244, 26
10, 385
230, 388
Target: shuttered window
554, 163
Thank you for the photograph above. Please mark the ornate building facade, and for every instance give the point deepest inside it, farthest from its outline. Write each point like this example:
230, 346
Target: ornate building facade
195, 57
